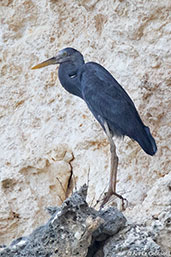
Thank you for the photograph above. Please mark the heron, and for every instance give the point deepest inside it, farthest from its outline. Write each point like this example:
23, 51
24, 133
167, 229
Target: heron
107, 100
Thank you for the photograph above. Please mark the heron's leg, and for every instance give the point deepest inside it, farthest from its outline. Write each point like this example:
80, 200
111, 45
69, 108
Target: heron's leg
113, 160
113, 169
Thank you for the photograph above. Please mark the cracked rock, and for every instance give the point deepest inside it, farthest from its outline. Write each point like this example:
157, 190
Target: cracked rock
71, 231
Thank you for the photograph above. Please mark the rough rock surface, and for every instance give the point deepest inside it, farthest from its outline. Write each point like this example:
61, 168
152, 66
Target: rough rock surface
75, 229
135, 240
49, 141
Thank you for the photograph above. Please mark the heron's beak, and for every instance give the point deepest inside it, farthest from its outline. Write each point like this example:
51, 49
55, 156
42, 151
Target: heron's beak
50, 61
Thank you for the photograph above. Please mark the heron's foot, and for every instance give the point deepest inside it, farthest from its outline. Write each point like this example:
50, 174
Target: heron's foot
109, 194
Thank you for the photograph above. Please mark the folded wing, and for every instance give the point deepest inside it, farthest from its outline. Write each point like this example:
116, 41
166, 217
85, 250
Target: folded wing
109, 102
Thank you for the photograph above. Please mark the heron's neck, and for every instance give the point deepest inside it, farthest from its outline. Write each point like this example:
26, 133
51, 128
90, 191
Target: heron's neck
69, 77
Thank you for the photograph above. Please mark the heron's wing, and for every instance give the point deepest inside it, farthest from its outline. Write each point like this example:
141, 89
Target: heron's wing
111, 85
108, 101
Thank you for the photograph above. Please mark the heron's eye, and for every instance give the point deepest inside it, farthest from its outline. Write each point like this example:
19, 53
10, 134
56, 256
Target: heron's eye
64, 54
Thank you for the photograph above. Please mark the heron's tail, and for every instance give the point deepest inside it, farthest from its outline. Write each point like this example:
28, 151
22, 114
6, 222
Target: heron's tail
147, 142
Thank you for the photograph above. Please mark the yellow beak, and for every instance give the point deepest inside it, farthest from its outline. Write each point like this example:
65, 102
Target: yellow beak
45, 63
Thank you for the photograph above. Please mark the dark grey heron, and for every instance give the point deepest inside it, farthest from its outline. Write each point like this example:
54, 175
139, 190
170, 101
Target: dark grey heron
107, 100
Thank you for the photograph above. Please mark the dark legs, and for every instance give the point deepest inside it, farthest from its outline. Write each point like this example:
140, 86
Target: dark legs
113, 169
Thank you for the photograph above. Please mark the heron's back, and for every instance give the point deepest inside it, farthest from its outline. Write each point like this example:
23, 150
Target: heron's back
109, 102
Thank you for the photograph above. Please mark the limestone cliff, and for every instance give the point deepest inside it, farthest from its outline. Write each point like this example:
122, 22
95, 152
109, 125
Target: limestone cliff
49, 140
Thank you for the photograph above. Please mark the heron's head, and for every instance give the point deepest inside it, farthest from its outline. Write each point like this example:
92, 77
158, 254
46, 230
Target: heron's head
65, 55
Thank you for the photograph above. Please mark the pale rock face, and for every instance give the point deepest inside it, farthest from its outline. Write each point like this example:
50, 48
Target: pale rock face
48, 135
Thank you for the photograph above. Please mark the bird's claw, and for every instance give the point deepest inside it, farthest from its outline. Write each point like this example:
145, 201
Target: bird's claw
109, 194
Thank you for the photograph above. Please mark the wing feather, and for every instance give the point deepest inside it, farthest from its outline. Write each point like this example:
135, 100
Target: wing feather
108, 101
